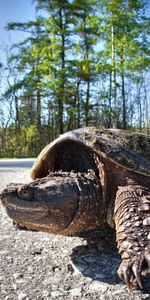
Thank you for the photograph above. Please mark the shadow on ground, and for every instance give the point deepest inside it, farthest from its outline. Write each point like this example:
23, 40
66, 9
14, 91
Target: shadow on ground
99, 258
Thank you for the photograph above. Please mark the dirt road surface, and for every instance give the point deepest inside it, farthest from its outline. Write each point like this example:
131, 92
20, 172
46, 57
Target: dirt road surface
40, 266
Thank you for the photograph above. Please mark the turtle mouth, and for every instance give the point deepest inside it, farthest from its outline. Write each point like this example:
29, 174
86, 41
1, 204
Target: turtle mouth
15, 205
21, 205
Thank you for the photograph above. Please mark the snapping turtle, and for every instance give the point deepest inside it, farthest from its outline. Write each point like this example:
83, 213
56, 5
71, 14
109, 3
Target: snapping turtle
91, 178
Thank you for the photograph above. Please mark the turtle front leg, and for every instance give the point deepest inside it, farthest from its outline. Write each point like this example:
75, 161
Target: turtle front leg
132, 221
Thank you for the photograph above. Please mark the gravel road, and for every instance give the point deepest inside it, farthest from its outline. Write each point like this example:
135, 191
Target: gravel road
42, 266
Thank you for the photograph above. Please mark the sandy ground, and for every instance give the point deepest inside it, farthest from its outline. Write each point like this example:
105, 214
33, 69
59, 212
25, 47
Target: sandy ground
42, 266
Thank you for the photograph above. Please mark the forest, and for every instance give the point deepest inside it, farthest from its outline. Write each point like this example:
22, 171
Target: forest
80, 63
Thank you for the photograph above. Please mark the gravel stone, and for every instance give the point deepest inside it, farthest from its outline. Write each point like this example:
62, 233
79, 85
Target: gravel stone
41, 266
96, 285
76, 292
55, 294
17, 275
22, 296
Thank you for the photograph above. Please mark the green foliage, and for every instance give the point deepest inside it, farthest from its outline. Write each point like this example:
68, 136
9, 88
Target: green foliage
80, 63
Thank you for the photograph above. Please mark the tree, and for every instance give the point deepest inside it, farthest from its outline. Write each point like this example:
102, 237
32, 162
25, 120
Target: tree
124, 29
58, 24
81, 63
86, 31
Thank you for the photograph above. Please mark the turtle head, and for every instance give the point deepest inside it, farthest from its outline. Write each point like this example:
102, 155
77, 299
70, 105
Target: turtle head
48, 204
65, 196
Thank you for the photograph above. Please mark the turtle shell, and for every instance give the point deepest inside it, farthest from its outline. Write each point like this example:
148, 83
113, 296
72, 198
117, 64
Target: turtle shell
76, 150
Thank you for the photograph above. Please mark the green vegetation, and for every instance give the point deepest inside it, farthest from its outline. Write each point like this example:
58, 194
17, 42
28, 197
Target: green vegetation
81, 63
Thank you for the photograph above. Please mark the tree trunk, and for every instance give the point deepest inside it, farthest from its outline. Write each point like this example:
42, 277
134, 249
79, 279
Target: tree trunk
62, 85
38, 111
87, 103
123, 102
110, 104
77, 103
17, 125
146, 109
123, 91
140, 104
114, 83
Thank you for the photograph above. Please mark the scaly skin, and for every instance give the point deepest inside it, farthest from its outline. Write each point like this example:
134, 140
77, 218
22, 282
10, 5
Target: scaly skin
132, 220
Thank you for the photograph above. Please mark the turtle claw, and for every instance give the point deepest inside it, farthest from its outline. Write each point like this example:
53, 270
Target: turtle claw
136, 273
125, 274
136, 268
131, 270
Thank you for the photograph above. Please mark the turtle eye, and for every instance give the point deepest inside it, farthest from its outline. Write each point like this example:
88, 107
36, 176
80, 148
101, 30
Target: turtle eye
25, 193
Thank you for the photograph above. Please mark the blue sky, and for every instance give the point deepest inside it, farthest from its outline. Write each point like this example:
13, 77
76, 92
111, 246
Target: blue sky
13, 11
18, 10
